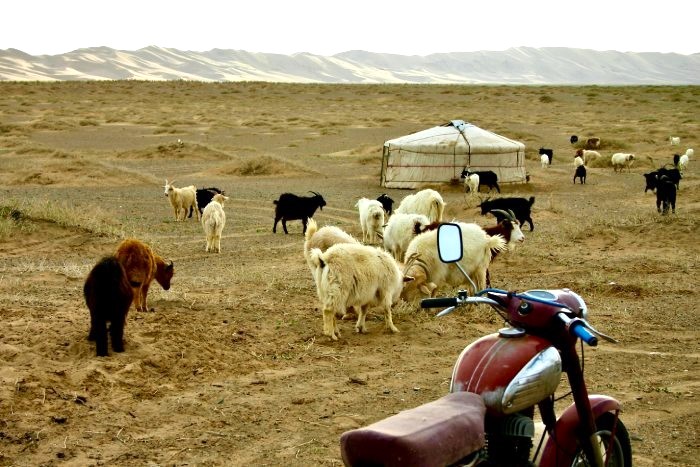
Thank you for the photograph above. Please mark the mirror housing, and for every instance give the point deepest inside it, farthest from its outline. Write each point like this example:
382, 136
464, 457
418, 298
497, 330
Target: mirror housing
449, 242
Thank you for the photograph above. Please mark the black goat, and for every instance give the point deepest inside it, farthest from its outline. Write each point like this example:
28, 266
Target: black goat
549, 152
108, 296
520, 208
204, 197
652, 178
387, 203
486, 177
665, 195
291, 207
580, 174
573, 139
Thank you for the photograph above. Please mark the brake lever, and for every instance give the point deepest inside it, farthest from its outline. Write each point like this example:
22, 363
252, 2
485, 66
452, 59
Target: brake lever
598, 333
446, 311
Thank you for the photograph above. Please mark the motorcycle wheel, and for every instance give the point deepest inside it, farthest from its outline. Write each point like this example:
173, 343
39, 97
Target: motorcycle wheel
621, 452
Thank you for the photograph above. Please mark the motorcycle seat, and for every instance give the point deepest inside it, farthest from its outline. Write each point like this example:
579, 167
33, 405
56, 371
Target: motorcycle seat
438, 433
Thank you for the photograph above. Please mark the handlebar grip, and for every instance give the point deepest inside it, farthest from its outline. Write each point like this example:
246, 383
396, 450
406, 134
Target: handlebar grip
438, 302
584, 334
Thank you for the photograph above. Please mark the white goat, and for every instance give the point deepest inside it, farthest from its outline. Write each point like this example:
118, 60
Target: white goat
578, 161
400, 230
323, 238
544, 161
471, 184
588, 155
427, 202
181, 199
371, 219
213, 221
429, 273
684, 159
675, 140
358, 276
620, 160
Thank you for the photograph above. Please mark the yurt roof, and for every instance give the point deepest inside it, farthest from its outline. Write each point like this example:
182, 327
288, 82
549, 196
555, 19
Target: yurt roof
455, 137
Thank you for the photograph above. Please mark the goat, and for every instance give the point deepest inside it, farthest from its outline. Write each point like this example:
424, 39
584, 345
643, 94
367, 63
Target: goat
665, 195
142, 265
181, 199
108, 296
507, 228
675, 140
592, 143
387, 203
547, 152
681, 162
213, 222
471, 184
204, 197
578, 161
544, 161
573, 139
652, 178
290, 207
324, 238
427, 202
620, 160
486, 177
371, 214
400, 230
580, 174
427, 271
358, 276
587, 155
520, 207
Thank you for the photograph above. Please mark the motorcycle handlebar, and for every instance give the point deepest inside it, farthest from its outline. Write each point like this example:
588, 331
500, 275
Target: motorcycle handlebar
442, 302
584, 334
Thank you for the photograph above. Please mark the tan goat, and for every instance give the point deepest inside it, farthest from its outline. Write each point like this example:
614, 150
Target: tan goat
142, 265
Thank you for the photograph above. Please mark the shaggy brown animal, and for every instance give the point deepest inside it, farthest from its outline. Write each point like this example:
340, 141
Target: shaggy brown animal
142, 265
108, 296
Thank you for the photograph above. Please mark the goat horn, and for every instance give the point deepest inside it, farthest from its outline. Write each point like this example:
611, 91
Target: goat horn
508, 215
409, 261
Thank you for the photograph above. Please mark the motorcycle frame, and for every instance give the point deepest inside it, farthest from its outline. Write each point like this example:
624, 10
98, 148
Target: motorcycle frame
576, 426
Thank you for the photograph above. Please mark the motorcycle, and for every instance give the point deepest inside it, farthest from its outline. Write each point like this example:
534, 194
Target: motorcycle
488, 417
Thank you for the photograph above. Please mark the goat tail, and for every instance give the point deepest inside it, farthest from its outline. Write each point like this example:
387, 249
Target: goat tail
315, 259
496, 243
532, 200
311, 229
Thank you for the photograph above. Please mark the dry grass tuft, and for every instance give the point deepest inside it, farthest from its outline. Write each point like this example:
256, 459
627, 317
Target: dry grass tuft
17, 216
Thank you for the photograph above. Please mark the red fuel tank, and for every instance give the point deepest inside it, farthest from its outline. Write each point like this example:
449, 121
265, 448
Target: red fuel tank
510, 373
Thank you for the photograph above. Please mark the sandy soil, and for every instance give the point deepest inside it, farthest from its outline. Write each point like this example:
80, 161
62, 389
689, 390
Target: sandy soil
232, 367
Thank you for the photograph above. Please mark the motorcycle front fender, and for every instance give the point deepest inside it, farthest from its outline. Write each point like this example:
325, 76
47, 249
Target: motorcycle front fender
561, 447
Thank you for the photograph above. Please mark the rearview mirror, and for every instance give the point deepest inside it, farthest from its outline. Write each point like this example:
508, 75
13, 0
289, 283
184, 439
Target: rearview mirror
449, 242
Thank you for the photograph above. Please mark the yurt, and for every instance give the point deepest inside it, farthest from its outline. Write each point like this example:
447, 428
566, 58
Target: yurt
439, 154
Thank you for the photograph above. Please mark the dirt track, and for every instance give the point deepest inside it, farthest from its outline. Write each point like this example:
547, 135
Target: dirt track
232, 367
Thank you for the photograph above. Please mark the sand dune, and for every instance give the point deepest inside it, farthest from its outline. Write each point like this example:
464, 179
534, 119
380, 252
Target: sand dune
521, 65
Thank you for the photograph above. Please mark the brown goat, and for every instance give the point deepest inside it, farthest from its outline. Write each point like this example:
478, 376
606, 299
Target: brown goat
108, 296
142, 265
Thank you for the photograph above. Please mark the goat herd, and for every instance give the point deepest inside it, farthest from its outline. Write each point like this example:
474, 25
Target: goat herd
664, 181
350, 276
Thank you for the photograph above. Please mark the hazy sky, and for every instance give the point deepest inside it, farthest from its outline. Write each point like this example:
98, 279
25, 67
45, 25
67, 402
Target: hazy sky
327, 27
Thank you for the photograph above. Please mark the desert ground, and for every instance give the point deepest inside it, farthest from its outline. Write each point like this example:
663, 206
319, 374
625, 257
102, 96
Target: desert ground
232, 367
